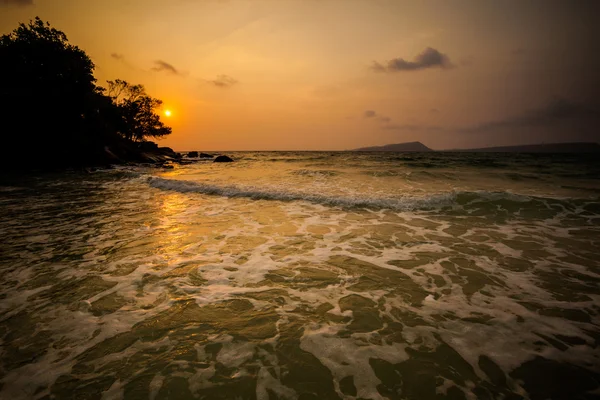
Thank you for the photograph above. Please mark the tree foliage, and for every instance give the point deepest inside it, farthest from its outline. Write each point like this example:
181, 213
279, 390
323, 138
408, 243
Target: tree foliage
51, 106
137, 110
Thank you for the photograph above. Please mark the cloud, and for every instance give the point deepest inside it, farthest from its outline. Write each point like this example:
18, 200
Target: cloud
428, 58
117, 56
556, 110
20, 3
373, 114
388, 125
223, 81
165, 66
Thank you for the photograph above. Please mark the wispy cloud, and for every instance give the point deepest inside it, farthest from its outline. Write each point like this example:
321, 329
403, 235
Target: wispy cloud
556, 110
370, 114
20, 3
373, 114
388, 125
428, 58
117, 56
165, 66
223, 81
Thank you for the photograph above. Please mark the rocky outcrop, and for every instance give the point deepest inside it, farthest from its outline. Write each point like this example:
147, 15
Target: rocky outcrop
223, 159
167, 151
196, 154
122, 152
147, 146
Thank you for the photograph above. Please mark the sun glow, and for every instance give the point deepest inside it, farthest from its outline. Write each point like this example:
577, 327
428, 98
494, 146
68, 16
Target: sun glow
167, 113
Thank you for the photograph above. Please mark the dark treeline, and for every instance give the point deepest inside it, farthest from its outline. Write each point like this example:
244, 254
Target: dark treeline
53, 112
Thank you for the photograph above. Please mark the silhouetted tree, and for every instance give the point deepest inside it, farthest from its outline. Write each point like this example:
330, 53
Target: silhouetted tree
47, 89
137, 110
51, 108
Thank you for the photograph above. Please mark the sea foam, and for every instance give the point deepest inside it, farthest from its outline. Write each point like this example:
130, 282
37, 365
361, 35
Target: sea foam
403, 203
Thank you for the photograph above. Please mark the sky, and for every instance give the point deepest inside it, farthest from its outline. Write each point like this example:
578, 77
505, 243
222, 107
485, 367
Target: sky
342, 74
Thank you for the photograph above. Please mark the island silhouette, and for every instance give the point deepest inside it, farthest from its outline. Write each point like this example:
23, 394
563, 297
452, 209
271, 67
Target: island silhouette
571, 147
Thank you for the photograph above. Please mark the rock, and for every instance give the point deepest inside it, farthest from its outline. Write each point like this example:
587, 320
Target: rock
206, 155
223, 159
110, 155
151, 158
147, 146
166, 150
193, 154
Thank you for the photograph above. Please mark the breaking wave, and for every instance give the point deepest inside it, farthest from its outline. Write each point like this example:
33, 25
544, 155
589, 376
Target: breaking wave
254, 193
494, 202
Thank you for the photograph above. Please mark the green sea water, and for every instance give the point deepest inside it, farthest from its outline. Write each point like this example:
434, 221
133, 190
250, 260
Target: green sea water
304, 275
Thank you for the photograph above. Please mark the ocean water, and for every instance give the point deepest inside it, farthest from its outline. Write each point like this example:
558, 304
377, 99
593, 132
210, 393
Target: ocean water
304, 275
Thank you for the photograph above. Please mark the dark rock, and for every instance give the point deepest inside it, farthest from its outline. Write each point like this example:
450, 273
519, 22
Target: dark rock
110, 155
193, 154
167, 151
206, 155
147, 146
223, 159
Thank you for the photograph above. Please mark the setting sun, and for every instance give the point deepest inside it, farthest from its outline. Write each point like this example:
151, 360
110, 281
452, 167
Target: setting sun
167, 113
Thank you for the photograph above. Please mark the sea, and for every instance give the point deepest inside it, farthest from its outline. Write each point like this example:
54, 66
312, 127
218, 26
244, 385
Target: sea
304, 275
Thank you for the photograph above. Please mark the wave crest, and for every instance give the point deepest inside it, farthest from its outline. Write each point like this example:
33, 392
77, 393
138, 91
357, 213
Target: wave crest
404, 203
500, 204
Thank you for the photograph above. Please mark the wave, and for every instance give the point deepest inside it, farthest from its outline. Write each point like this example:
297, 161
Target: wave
405, 203
491, 203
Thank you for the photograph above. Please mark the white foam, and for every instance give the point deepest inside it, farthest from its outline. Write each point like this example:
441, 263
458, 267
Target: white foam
265, 380
350, 357
234, 354
201, 379
155, 385
399, 203
115, 392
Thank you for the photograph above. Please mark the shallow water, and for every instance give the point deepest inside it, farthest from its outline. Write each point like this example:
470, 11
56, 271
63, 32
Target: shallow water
304, 275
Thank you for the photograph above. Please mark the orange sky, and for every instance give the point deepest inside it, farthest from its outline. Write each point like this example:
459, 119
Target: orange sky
340, 74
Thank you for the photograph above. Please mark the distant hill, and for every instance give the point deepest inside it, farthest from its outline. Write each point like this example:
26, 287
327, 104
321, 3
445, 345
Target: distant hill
410, 146
575, 147
578, 147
